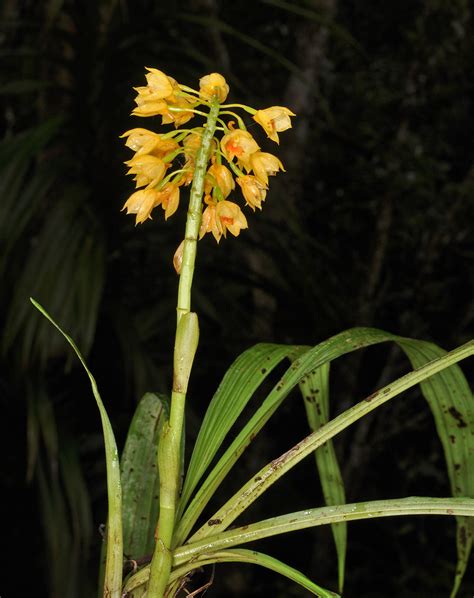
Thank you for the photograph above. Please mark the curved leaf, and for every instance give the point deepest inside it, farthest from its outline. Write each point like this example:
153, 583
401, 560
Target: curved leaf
315, 390
114, 560
237, 387
324, 516
257, 558
306, 362
278, 467
241, 380
449, 398
137, 582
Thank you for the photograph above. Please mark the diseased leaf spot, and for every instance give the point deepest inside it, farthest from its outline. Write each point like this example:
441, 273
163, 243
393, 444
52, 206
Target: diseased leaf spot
214, 522
458, 417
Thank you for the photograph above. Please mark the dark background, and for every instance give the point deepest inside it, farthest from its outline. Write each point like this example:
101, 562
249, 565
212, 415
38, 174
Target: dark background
370, 226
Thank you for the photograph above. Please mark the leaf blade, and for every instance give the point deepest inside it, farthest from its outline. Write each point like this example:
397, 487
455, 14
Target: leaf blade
114, 559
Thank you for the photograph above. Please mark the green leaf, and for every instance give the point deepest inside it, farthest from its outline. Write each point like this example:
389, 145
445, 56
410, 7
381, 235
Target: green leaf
315, 390
237, 387
137, 582
256, 558
450, 400
114, 560
140, 480
324, 516
309, 361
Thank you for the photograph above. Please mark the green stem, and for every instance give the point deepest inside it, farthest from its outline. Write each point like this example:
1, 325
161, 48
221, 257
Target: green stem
170, 444
194, 213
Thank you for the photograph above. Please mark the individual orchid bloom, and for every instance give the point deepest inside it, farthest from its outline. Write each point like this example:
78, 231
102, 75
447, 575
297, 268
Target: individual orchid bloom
168, 197
141, 203
263, 165
239, 144
253, 190
211, 85
220, 176
220, 217
149, 170
230, 217
142, 141
159, 83
274, 120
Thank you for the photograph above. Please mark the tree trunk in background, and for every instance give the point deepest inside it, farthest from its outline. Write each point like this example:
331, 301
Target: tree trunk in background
300, 96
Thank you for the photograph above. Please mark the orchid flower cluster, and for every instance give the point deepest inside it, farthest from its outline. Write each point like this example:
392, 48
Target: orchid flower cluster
234, 158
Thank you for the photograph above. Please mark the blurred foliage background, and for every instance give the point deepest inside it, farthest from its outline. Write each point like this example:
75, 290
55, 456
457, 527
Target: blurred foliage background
371, 225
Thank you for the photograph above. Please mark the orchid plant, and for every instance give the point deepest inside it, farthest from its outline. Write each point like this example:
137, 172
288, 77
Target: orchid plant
152, 544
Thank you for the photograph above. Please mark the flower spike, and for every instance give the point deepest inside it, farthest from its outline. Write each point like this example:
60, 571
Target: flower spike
233, 158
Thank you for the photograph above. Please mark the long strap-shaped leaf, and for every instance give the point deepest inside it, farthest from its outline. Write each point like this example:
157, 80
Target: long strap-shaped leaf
452, 405
315, 390
239, 384
306, 362
114, 560
278, 467
323, 516
449, 398
191, 554
232, 556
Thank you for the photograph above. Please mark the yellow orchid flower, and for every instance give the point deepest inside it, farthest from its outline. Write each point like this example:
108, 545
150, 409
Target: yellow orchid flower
220, 217
213, 84
239, 144
274, 120
141, 203
149, 170
230, 217
264, 164
219, 175
159, 83
142, 141
253, 190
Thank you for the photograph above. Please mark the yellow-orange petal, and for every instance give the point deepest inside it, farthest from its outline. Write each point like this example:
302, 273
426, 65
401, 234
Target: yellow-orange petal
141, 203
264, 164
274, 120
253, 191
159, 83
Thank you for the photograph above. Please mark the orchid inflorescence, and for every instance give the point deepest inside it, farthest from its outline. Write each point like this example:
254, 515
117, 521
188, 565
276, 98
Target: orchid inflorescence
155, 153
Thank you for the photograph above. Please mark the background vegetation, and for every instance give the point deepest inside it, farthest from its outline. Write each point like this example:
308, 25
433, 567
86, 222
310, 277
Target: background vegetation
371, 225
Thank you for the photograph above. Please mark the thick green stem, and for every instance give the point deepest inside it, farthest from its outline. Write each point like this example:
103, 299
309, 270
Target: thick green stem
187, 332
